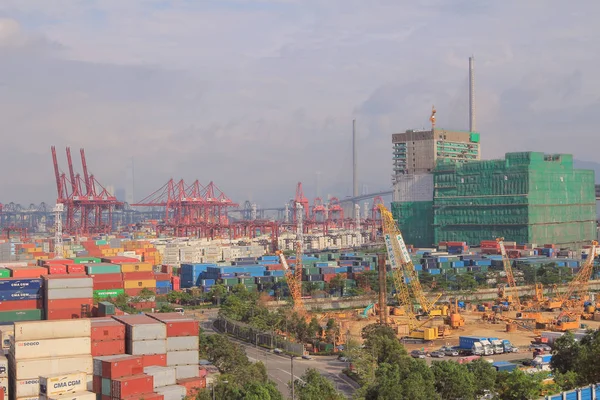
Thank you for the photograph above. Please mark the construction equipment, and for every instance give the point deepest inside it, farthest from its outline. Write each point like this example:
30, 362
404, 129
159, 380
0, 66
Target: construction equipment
512, 299
454, 319
577, 291
566, 321
293, 284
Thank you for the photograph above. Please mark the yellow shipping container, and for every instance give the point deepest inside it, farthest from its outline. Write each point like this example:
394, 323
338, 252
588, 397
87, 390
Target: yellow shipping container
147, 283
136, 267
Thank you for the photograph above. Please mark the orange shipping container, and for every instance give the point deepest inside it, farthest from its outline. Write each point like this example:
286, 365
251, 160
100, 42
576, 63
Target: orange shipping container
27, 272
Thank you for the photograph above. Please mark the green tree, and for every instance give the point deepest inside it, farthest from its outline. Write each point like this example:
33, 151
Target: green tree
313, 386
466, 282
453, 381
484, 375
517, 385
146, 294
382, 343
336, 284
309, 288
566, 353
411, 380
224, 354
166, 308
567, 381
217, 293
314, 330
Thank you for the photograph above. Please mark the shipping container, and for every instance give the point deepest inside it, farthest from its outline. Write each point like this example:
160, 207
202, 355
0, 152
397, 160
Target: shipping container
141, 327
182, 343
66, 313
32, 369
21, 315
136, 267
108, 348
55, 384
75, 293
87, 395
13, 305
177, 324
131, 386
140, 347
186, 371
102, 269
20, 294
173, 392
43, 348
157, 360
149, 283
25, 388
52, 330
106, 329
69, 303
192, 385
138, 276
162, 376
118, 366
108, 293
67, 282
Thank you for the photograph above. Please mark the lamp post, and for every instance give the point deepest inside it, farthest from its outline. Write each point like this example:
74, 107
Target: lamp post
292, 373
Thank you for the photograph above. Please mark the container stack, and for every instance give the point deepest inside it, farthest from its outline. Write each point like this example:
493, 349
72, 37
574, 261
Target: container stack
20, 299
65, 386
146, 337
122, 377
134, 283
68, 297
182, 349
3, 378
48, 347
165, 382
108, 337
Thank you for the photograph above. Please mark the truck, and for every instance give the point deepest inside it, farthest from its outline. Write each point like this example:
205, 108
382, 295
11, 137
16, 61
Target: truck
508, 346
541, 360
504, 366
497, 345
475, 345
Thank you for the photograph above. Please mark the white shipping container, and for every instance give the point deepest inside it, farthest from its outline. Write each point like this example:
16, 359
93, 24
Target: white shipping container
32, 369
140, 347
173, 392
182, 343
3, 367
37, 397
52, 385
4, 385
33, 330
182, 357
43, 348
163, 376
68, 283
75, 293
27, 387
71, 396
187, 371
147, 331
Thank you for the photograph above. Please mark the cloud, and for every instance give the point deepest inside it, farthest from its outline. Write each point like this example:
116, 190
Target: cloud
257, 95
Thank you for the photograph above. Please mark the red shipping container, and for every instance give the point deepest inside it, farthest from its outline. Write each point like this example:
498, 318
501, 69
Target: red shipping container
63, 313
146, 396
119, 260
106, 277
64, 261
122, 366
57, 269
159, 276
176, 283
138, 275
21, 305
158, 360
136, 291
109, 348
76, 269
126, 386
27, 272
68, 303
97, 384
192, 385
143, 305
107, 329
108, 285
167, 269
177, 324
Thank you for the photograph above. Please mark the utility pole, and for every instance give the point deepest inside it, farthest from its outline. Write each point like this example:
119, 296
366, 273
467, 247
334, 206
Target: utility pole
381, 270
292, 371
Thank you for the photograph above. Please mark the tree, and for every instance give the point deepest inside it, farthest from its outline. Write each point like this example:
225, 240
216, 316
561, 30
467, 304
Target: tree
382, 343
146, 294
336, 284
566, 381
217, 292
466, 282
313, 386
411, 381
309, 288
518, 385
453, 381
566, 353
484, 375
224, 354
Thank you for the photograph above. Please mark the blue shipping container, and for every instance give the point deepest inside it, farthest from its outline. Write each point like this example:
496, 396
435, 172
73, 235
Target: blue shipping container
20, 294
163, 290
162, 284
23, 283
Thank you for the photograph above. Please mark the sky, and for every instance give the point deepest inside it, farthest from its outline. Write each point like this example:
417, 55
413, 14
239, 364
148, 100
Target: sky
256, 95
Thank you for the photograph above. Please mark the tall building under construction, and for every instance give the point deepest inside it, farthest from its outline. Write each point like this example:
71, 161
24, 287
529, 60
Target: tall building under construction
527, 197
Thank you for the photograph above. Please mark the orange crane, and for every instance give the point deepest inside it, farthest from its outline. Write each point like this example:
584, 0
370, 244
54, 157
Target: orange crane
510, 277
578, 287
293, 284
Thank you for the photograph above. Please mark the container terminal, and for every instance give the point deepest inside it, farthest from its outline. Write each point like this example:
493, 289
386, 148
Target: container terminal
472, 258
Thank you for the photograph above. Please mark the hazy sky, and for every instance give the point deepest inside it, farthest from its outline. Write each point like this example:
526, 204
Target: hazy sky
257, 95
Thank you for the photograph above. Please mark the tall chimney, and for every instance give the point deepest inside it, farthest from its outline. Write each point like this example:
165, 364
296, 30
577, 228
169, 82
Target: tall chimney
354, 161
471, 94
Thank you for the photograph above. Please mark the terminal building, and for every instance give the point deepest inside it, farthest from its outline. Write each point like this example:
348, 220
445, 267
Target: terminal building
527, 197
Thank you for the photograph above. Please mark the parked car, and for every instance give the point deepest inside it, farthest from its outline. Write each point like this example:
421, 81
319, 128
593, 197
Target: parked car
306, 357
418, 354
449, 351
437, 354
540, 346
277, 351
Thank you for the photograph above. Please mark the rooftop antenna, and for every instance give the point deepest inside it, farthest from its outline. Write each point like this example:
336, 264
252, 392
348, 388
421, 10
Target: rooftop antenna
471, 94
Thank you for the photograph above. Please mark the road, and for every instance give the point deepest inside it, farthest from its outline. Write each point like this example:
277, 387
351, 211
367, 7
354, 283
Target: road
279, 366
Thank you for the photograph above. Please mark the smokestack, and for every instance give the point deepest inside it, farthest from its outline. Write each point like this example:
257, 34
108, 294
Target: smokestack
471, 94
354, 167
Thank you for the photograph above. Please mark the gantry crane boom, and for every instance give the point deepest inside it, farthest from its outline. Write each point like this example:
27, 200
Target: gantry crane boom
579, 285
510, 277
401, 253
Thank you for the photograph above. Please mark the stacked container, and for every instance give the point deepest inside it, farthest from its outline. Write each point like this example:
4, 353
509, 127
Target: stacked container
108, 337
146, 337
3, 378
20, 299
68, 297
48, 347
65, 386
122, 377
165, 382
182, 349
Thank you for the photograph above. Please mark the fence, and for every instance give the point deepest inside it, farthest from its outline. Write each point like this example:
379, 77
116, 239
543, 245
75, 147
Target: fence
250, 334
587, 393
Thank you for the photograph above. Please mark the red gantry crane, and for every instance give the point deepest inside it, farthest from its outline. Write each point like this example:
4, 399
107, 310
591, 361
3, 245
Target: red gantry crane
89, 206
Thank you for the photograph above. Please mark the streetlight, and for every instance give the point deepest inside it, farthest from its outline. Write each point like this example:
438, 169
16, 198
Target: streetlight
212, 385
292, 373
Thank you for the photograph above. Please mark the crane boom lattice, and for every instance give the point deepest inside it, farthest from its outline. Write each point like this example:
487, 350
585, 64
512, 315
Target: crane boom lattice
510, 277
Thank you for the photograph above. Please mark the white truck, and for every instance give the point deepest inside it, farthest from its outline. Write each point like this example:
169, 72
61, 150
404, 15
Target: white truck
488, 350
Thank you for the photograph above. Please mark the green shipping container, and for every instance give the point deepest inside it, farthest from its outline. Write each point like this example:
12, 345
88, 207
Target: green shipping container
4, 273
101, 242
106, 308
108, 293
103, 269
230, 281
20, 315
86, 260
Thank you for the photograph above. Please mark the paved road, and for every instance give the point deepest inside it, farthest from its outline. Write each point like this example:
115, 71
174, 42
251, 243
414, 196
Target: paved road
279, 366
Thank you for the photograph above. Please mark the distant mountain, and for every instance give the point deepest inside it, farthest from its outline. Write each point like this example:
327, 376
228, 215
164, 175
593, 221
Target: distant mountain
588, 165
